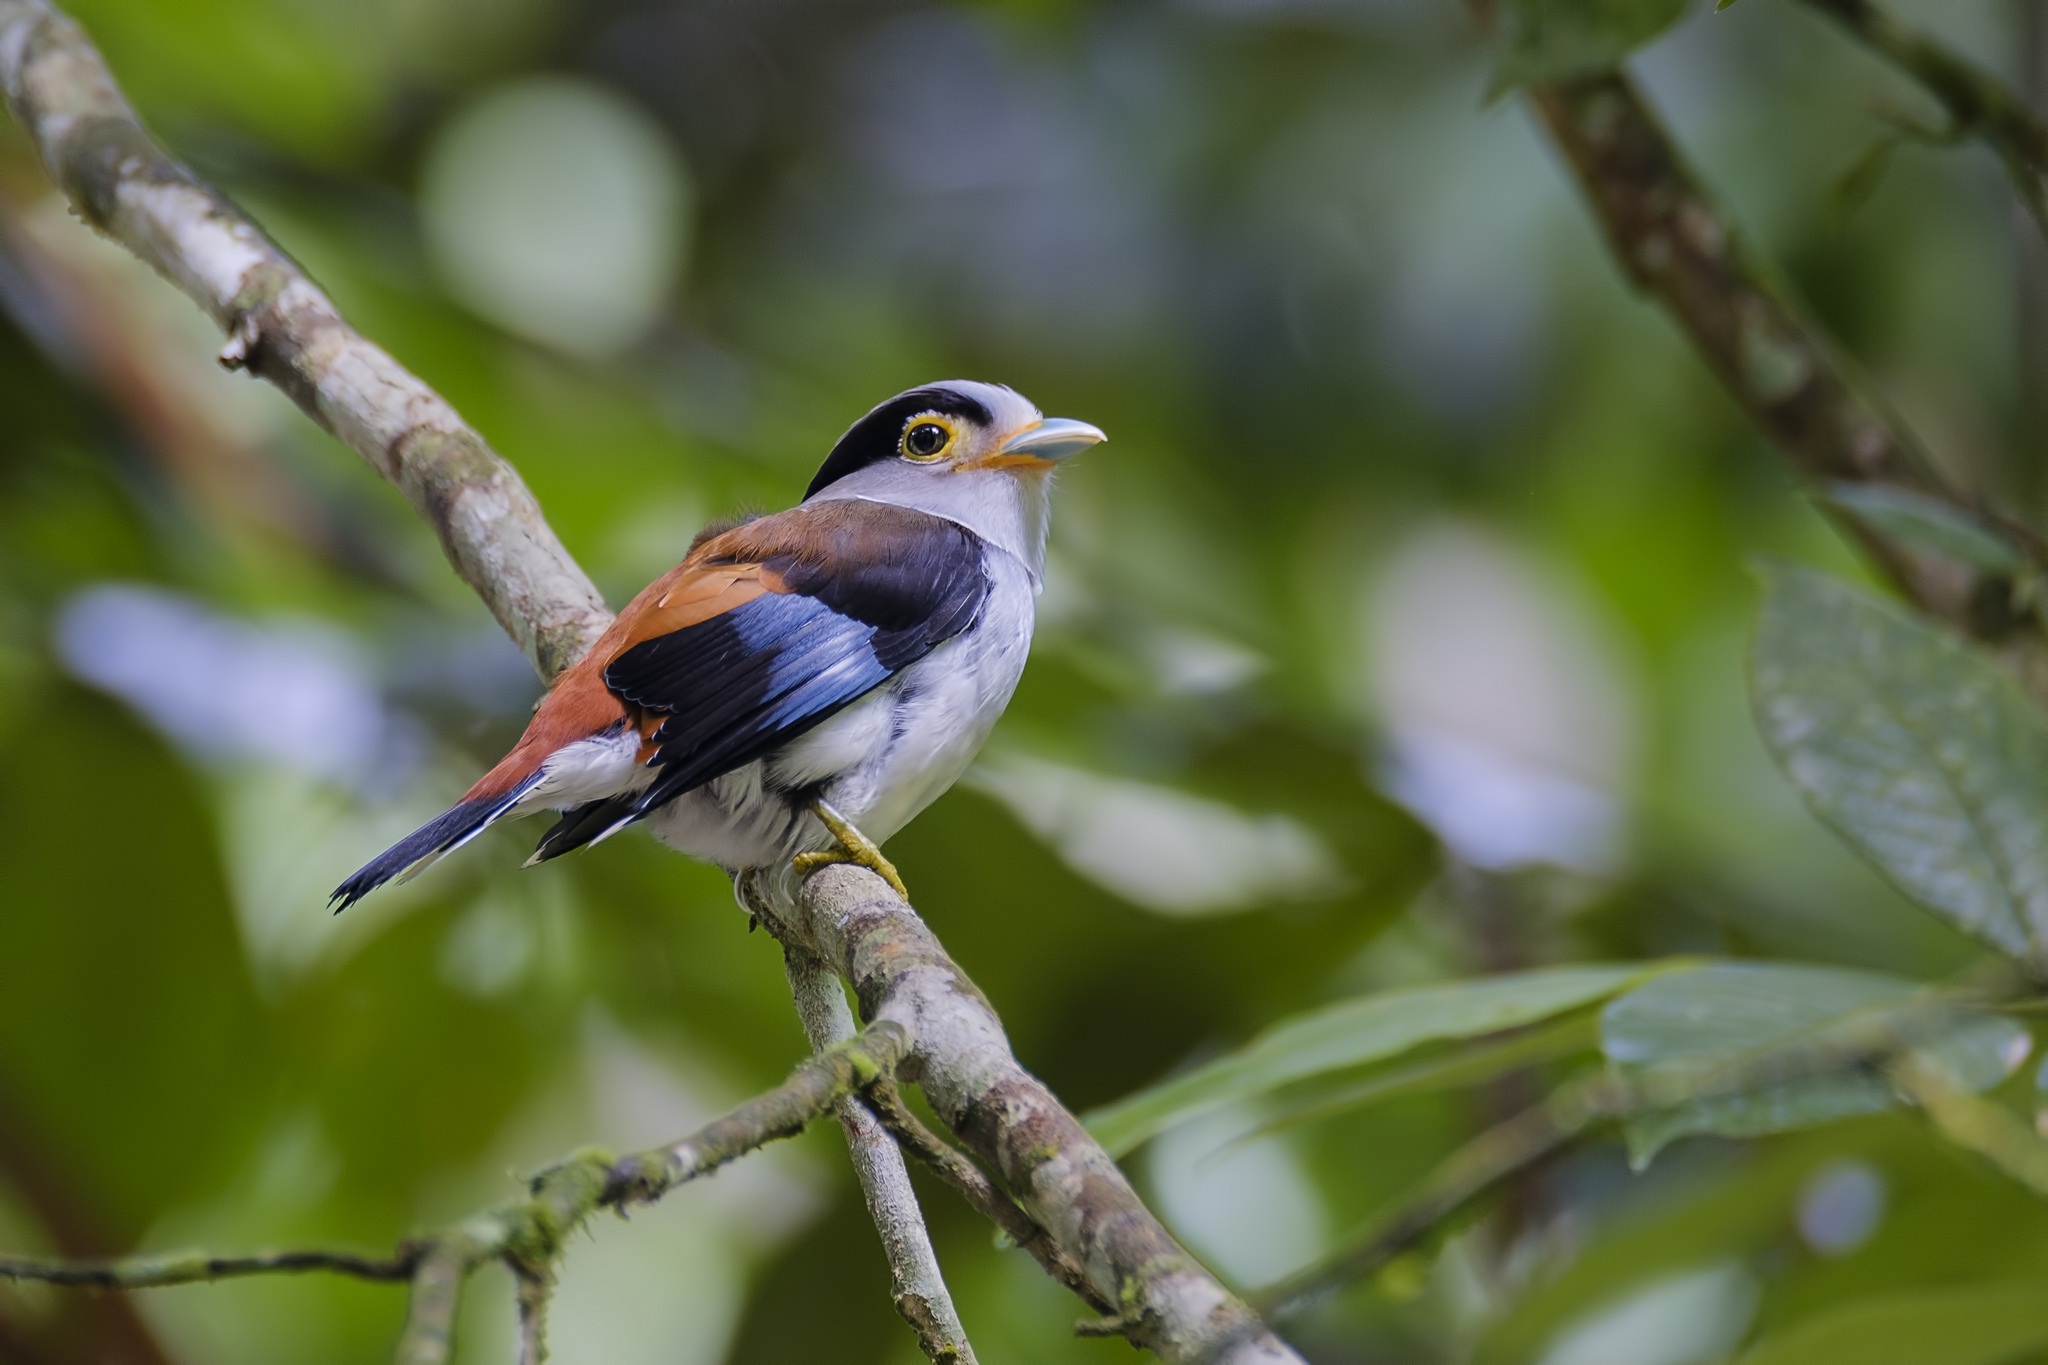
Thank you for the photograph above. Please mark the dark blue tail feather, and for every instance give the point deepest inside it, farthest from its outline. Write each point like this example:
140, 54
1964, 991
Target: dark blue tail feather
444, 832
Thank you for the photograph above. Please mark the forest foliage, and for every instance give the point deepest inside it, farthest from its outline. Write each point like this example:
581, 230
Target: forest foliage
1506, 876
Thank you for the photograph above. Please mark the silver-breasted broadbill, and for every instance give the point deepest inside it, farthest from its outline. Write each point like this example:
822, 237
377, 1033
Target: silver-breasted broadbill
802, 684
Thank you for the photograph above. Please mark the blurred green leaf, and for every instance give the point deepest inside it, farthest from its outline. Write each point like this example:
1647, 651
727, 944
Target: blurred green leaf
1982, 1324
1694, 1031
1955, 1220
1354, 1032
1554, 40
1851, 192
1923, 523
1915, 748
122, 969
1445, 1068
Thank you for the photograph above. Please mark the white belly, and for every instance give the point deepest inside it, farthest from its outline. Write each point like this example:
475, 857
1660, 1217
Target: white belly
881, 760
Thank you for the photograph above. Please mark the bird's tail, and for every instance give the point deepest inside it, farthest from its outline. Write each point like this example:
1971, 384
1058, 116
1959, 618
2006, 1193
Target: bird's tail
590, 823
428, 844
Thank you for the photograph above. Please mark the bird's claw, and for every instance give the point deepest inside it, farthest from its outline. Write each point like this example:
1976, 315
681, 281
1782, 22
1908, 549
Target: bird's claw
854, 847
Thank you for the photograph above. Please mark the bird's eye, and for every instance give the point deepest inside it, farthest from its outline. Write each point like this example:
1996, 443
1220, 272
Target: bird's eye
926, 441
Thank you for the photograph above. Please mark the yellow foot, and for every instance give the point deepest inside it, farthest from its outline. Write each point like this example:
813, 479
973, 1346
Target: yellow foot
854, 847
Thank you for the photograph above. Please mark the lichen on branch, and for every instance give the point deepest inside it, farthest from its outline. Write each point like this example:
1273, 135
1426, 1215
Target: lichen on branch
528, 1233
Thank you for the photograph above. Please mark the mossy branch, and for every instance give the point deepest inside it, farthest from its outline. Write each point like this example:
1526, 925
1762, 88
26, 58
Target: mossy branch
529, 1233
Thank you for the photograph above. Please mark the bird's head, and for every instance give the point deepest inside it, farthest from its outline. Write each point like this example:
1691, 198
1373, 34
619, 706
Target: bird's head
950, 430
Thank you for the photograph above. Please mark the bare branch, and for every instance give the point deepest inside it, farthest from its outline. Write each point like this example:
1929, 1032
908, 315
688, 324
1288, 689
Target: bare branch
1006, 1116
282, 328
1677, 246
916, 1284
155, 1272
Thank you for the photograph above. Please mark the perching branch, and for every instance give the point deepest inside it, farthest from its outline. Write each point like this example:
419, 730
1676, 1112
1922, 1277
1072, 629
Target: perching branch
916, 1285
283, 329
1978, 105
1060, 1175
1675, 244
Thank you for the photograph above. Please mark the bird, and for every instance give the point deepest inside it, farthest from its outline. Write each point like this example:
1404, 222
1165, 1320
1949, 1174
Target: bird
802, 684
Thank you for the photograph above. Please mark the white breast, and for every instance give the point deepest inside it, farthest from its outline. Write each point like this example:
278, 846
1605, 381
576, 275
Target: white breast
881, 760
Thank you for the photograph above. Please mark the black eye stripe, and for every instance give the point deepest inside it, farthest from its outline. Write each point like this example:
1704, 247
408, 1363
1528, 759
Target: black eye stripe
878, 436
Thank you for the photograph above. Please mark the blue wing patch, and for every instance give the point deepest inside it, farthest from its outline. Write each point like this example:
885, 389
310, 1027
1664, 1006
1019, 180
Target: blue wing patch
739, 685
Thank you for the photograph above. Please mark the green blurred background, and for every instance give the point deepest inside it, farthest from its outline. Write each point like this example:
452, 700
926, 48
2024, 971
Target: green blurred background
1397, 635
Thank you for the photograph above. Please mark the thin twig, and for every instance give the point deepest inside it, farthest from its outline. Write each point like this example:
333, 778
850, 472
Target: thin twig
1977, 103
917, 1285
155, 1272
813, 1088
528, 1233
429, 1335
535, 1291
957, 1169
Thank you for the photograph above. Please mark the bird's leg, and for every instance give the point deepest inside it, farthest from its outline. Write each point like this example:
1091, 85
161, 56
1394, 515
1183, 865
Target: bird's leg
854, 847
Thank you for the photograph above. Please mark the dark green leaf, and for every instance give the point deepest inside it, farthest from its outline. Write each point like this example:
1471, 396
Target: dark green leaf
1982, 1324
1915, 748
1554, 40
1771, 1046
1919, 522
1355, 1032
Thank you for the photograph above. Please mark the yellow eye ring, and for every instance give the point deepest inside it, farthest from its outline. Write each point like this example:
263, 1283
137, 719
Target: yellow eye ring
926, 437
